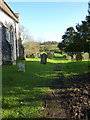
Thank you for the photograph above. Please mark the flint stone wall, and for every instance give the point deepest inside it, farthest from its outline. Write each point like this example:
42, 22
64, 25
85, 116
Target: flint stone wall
8, 39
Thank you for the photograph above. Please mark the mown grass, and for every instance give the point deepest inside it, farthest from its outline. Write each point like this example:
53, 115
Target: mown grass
75, 68
23, 92
72, 67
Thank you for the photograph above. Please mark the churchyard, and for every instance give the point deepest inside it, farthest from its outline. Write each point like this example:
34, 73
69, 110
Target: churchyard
23, 92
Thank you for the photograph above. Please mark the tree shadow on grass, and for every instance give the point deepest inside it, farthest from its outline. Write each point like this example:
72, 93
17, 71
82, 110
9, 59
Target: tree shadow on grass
35, 119
22, 89
25, 90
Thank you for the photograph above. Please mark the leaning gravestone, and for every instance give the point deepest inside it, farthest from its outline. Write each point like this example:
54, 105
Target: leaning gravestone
43, 58
21, 66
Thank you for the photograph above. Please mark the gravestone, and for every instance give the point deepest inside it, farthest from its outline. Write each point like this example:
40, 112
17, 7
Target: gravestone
74, 56
79, 56
43, 58
86, 55
68, 57
21, 66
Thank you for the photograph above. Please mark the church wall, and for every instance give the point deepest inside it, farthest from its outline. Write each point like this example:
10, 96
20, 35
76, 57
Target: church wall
9, 38
0, 43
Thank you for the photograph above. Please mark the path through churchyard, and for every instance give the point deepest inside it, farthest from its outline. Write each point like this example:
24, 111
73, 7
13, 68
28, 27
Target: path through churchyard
71, 101
52, 103
58, 90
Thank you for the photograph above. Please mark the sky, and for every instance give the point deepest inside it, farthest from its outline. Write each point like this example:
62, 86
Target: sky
48, 21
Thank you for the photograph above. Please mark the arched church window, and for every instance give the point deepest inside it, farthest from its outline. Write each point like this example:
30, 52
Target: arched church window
11, 33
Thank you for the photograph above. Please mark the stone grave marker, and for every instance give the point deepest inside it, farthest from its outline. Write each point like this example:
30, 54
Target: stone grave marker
68, 57
21, 66
43, 58
86, 55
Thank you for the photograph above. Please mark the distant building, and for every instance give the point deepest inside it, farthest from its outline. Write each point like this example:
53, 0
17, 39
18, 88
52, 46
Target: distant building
9, 46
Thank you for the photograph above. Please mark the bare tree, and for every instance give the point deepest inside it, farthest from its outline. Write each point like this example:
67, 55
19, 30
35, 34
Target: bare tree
25, 35
32, 49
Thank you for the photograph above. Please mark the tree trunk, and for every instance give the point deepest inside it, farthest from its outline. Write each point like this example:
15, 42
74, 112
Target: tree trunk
78, 56
71, 57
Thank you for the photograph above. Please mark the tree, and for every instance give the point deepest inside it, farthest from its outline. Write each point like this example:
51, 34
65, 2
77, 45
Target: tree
32, 49
62, 46
84, 30
67, 43
87, 48
69, 34
75, 42
25, 36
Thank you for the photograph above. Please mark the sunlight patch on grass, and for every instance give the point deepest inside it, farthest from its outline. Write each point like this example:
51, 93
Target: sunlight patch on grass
58, 61
42, 89
27, 103
69, 75
48, 76
23, 92
32, 59
21, 111
58, 55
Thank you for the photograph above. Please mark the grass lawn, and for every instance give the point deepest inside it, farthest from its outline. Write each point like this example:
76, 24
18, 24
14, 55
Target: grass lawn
23, 92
